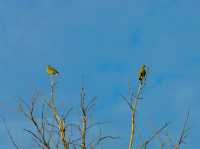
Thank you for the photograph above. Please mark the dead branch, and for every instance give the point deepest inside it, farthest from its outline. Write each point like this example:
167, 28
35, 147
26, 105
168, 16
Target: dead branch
99, 139
84, 119
155, 134
40, 128
59, 120
184, 132
9, 134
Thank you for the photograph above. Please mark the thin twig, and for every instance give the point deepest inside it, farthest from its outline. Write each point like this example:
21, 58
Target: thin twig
10, 134
157, 132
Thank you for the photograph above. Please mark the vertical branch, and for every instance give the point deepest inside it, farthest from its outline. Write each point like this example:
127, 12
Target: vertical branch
83, 136
60, 122
133, 100
84, 120
53, 86
132, 129
52, 102
133, 103
161, 145
85, 108
137, 96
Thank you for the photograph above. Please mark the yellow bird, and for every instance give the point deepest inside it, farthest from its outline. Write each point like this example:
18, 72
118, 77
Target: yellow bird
51, 70
142, 73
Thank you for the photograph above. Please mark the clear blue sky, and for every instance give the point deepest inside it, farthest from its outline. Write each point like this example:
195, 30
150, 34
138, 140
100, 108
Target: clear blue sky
105, 41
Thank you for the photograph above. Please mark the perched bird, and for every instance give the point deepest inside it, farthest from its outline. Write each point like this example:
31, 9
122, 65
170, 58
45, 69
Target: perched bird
51, 70
142, 73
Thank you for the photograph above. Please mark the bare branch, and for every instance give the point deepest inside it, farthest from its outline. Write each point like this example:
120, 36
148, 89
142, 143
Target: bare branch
59, 120
157, 132
184, 132
127, 101
99, 139
9, 134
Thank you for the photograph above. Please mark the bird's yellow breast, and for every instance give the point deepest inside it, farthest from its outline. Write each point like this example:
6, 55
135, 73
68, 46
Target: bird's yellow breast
51, 70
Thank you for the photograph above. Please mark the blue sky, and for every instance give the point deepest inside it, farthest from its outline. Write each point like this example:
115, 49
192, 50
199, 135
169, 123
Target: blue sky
105, 41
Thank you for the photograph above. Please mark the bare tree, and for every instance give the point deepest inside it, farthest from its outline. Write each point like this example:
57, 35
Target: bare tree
50, 128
